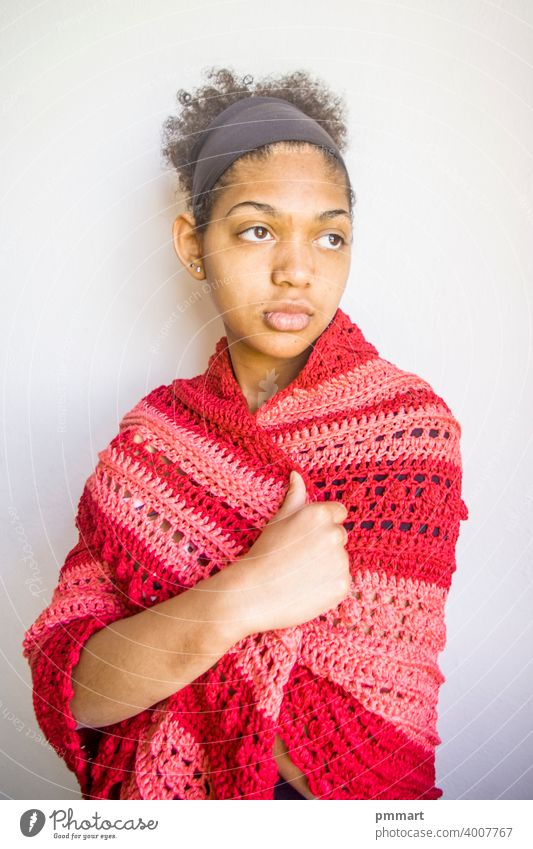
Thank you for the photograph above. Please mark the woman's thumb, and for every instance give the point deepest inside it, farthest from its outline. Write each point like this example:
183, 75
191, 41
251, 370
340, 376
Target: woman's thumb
296, 495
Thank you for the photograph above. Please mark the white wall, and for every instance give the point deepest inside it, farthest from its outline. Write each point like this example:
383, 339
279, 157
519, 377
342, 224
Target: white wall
440, 97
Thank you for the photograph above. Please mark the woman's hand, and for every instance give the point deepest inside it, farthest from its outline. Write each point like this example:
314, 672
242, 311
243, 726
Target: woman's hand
299, 567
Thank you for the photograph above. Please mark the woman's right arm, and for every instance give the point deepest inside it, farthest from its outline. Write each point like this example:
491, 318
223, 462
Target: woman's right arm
296, 569
139, 660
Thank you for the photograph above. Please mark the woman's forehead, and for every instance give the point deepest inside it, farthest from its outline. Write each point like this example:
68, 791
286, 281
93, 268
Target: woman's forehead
283, 157
283, 175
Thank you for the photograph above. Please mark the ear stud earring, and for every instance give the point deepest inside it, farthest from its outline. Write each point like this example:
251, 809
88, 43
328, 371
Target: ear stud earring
198, 267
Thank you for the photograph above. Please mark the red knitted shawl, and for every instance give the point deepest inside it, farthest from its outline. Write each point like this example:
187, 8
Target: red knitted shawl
185, 488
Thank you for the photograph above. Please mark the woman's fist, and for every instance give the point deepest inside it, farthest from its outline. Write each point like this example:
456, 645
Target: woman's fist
299, 567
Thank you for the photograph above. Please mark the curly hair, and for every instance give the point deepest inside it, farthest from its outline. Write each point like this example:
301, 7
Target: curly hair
200, 107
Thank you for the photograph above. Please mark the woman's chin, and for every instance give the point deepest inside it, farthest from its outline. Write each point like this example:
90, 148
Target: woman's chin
283, 345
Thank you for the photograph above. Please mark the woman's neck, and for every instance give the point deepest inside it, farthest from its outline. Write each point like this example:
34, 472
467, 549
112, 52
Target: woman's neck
261, 376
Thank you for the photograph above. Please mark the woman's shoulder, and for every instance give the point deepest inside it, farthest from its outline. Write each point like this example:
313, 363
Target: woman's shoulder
406, 412
149, 455
390, 391
158, 403
414, 425
159, 409
151, 423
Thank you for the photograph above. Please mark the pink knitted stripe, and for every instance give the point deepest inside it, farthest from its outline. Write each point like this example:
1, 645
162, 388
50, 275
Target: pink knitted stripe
190, 522
346, 751
113, 479
256, 657
355, 412
231, 476
171, 764
141, 573
85, 589
234, 760
433, 434
372, 663
369, 384
375, 621
154, 755
138, 758
186, 484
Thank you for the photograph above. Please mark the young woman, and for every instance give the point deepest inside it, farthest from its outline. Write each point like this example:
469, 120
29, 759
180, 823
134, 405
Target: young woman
255, 605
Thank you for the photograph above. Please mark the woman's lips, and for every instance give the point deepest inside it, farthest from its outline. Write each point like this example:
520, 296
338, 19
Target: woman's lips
287, 320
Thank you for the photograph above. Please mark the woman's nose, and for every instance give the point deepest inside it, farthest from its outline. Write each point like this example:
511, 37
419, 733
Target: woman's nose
293, 262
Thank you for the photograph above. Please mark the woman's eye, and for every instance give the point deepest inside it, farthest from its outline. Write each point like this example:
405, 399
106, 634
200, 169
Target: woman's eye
260, 232
263, 231
334, 236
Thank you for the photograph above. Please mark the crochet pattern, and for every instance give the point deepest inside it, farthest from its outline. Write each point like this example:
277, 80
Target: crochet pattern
185, 488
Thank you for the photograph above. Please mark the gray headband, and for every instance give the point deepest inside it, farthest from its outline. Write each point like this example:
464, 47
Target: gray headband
245, 125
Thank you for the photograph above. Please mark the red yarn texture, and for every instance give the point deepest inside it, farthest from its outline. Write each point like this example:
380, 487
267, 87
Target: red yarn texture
183, 490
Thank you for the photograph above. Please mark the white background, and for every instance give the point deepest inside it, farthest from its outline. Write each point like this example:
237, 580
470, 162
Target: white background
440, 98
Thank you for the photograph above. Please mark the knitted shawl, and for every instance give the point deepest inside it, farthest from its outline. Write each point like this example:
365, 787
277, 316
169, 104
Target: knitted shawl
184, 489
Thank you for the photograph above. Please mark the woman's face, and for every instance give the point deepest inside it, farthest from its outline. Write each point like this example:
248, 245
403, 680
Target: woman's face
281, 231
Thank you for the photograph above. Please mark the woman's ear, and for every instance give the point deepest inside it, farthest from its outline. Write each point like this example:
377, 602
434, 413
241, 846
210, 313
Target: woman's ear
188, 244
